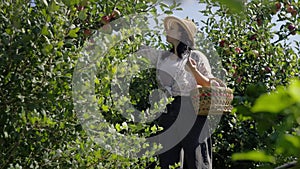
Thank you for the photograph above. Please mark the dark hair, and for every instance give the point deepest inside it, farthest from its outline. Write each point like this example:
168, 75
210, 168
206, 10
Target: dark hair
182, 47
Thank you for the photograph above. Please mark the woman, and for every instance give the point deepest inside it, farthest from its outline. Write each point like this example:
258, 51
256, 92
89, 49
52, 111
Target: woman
179, 72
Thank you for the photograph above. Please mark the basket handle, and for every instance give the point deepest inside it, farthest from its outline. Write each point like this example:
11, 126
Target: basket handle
221, 83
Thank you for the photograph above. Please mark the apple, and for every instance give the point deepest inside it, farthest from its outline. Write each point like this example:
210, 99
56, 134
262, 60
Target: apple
234, 66
253, 37
107, 29
238, 50
235, 74
268, 69
239, 79
259, 21
291, 27
80, 8
278, 6
294, 12
223, 43
105, 19
290, 9
87, 32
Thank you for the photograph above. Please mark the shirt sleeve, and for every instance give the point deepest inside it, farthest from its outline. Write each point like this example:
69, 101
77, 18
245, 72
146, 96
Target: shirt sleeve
149, 53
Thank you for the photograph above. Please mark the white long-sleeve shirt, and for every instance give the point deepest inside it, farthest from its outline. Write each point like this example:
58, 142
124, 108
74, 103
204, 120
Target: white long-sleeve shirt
172, 73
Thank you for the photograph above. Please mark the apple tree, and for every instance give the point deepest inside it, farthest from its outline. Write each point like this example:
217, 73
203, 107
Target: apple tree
40, 44
252, 38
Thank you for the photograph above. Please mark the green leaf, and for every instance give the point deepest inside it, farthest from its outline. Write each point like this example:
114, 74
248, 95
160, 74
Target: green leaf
234, 5
259, 156
73, 32
97, 81
294, 140
274, 102
118, 127
82, 15
60, 44
47, 48
163, 5
54, 6
168, 12
67, 2
294, 90
288, 144
45, 30
105, 108
154, 128
8, 31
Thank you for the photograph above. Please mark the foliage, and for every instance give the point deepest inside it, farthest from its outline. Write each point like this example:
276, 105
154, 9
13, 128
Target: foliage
252, 43
40, 44
278, 123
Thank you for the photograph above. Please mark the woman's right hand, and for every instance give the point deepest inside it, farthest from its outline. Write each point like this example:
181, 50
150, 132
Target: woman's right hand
191, 65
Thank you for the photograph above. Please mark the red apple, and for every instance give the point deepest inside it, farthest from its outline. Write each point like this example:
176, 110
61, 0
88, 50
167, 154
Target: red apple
105, 19
253, 37
268, 69
239, 79
294, 12
238, 50
259, 21
291, 27
87, 32
278, 5
223, 43
290, 9
235, 74
80, 8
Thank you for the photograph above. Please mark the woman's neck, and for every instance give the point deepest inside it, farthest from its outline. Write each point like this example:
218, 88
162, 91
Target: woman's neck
175, 44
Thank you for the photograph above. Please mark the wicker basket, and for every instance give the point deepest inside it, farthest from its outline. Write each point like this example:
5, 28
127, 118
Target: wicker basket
213, 99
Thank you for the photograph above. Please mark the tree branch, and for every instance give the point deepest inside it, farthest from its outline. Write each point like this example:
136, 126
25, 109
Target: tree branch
287, 165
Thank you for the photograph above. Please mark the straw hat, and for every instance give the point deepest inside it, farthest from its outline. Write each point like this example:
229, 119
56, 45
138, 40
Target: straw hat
188, 25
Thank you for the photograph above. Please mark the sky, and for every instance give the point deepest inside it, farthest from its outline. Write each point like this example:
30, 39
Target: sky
191, 9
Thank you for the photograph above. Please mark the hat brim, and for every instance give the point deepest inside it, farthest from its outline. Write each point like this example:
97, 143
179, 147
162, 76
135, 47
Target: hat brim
170, 20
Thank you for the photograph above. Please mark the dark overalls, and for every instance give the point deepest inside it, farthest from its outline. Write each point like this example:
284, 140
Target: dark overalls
196, 142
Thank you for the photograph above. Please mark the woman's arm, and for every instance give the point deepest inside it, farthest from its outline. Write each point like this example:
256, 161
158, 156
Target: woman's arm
200, 78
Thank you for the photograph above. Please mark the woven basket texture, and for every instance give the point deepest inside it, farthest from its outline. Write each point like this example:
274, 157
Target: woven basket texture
213, 99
